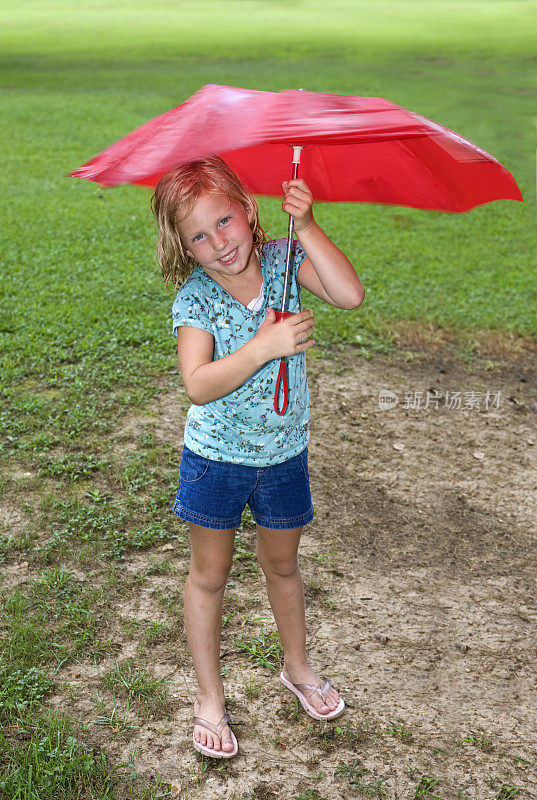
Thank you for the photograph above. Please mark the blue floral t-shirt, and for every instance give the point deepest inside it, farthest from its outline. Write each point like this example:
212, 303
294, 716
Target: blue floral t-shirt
243, 427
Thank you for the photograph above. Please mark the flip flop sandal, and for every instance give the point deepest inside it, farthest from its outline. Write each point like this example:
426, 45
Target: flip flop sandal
209, 751
323, 691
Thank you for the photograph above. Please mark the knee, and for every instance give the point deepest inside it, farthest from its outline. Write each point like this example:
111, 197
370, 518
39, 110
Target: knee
279, 568
209, 578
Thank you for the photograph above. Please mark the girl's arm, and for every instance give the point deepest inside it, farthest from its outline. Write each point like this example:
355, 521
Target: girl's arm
206, 380
326, 272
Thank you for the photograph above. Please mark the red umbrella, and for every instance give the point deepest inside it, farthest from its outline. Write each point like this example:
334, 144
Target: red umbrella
354, 148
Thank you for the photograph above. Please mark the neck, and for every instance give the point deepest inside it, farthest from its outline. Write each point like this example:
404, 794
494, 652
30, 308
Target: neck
250, 276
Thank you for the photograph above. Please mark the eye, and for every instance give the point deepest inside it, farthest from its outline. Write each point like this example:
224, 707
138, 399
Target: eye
198, 237
224, 220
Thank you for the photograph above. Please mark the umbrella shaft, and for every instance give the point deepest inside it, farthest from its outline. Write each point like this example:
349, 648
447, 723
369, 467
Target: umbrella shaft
289, 243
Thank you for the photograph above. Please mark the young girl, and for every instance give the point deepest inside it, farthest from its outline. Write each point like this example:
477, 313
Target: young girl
237, 449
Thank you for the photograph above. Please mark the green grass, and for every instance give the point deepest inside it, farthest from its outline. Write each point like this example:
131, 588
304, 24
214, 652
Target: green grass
359, 30
52, 763
311, 794
135, 683
40, 755
85, 325
354, 774
263, 649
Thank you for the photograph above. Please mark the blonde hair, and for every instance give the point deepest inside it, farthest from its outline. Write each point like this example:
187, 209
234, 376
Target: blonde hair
173, 200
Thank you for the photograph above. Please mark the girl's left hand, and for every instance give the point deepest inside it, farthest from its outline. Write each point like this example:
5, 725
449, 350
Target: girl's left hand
298, 202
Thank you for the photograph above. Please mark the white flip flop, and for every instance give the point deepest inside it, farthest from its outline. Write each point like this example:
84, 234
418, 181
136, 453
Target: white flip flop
209, 751
322, 690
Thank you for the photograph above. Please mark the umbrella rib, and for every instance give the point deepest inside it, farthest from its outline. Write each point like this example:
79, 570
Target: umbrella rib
448, 195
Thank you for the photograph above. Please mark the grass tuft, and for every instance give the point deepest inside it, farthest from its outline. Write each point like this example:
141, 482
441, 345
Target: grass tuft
136, 684
263, 650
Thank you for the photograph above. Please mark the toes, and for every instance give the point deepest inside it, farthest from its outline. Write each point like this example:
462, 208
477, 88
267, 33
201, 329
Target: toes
331, 703
207, 740
227, 744
319, 704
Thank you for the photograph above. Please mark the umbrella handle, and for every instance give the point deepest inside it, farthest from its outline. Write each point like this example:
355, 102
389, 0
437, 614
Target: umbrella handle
282, 373
296, 161
282, 314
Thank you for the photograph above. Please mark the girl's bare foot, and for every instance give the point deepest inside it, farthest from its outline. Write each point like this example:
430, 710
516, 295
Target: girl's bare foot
306, 675
212, 710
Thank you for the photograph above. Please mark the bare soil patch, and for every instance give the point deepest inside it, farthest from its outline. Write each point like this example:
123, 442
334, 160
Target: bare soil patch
422, 611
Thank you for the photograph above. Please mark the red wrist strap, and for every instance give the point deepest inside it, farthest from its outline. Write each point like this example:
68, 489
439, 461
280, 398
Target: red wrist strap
282, 373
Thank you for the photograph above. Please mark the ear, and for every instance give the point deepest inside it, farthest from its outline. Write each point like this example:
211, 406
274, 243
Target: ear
185, 248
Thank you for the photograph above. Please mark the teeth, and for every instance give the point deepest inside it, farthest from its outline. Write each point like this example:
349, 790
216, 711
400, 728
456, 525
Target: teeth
229, 257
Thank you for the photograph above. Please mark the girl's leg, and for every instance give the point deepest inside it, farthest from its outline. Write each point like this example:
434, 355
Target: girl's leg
210, 562
277, 555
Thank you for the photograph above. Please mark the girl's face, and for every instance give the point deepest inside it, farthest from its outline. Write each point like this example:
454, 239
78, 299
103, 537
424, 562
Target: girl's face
218, 236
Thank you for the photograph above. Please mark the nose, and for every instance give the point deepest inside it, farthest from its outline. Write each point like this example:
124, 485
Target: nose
220, 240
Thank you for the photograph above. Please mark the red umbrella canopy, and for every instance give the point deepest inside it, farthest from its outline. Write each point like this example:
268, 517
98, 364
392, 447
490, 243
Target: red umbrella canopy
355, 148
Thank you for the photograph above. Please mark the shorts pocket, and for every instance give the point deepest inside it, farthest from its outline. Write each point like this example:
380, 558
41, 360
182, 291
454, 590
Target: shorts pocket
193, 467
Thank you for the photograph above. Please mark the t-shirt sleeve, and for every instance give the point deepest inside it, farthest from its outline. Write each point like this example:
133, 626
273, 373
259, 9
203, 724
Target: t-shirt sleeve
300, 255
188, 309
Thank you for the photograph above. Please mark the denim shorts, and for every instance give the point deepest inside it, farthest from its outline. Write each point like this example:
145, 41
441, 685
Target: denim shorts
213, 494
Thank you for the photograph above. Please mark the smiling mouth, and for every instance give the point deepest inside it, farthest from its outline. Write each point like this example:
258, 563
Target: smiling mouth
227, 259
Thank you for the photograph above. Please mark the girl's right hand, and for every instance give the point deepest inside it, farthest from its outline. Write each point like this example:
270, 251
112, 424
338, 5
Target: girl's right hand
285, 338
